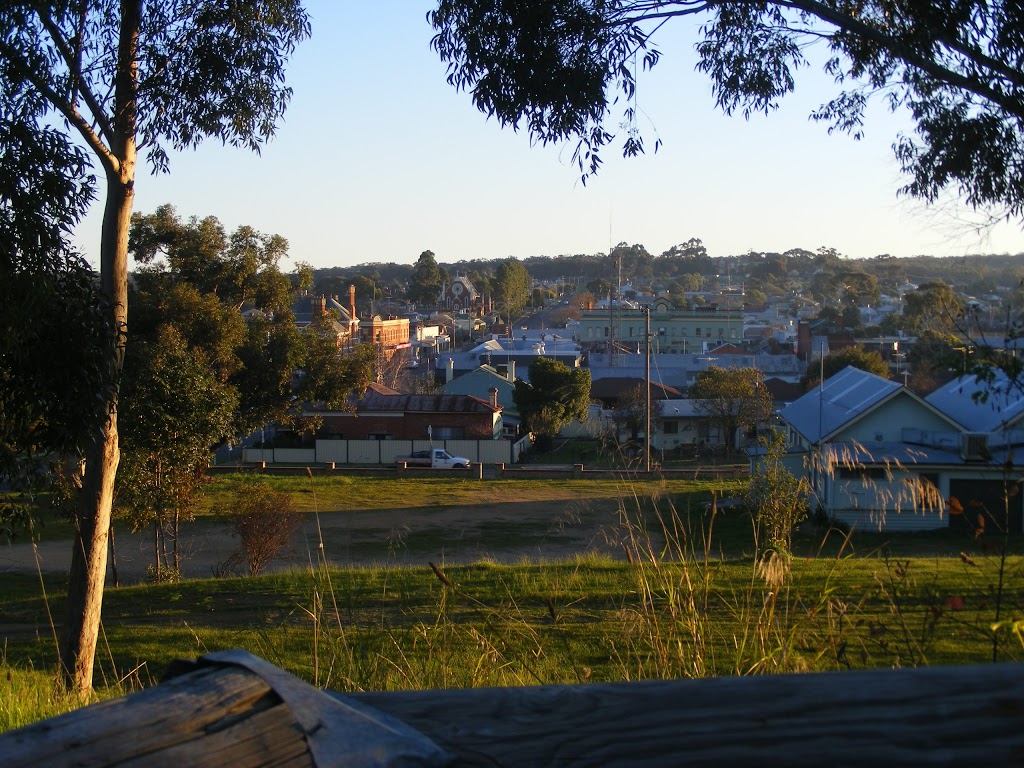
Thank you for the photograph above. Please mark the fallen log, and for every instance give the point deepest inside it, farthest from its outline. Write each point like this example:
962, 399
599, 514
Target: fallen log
233, 709
227, 710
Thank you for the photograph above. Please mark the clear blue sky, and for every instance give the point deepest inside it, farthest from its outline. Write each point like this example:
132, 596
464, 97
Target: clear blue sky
380, 159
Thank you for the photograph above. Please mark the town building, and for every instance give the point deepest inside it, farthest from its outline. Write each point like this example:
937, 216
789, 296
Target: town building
690, 330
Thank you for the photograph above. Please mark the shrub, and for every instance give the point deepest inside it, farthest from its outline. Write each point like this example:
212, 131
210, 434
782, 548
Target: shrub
264, 521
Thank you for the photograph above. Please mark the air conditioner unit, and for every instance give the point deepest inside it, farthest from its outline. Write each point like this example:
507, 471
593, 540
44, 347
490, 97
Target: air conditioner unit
974, 446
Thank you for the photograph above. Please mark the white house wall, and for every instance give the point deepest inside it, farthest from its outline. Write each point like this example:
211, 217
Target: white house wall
890, 504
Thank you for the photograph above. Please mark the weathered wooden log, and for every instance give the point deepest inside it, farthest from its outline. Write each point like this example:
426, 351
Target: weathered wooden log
938, 716
236, 710
228, 710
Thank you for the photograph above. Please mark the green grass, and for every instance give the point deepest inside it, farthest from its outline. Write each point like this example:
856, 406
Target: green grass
586, 619
338, 493
689, 599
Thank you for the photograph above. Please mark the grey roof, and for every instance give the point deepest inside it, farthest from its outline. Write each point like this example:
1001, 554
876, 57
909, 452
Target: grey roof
1003, 406
375, 401
842, 399
905, 455
681, 409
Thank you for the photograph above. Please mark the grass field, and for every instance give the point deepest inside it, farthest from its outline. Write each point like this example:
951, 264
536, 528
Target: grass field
689, 600
327, 493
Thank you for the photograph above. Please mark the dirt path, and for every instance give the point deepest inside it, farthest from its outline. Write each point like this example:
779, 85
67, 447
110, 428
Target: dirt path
507, 532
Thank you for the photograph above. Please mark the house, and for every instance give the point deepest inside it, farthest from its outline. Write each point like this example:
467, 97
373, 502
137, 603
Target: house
520, 351
489, 383
685, 424
385, 414
610, 389
860, 442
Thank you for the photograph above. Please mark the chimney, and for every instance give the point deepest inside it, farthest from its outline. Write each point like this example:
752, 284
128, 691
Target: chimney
511, 373
449, 374
352, 309
493, 392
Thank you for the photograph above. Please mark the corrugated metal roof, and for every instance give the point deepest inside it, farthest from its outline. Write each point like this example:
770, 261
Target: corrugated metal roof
892, 454
376, 401
843, 398
1003, 406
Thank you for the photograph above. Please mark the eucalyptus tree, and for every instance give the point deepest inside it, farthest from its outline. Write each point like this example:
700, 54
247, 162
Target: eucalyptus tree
119, 78
426, 281
567, 70
512, 287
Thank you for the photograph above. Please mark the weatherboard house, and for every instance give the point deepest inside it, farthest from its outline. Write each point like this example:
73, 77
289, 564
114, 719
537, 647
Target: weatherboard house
879, 457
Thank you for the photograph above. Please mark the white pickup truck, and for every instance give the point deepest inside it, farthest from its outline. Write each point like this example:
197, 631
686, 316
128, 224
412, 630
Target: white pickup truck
435, 458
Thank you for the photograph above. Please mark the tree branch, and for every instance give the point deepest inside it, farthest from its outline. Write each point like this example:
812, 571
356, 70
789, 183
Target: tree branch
72, 60
649, 10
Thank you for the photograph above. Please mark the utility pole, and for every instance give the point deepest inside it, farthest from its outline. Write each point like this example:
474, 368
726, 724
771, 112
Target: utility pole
647, 379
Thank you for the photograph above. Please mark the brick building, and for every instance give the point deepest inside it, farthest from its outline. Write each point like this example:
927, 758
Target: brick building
384, 414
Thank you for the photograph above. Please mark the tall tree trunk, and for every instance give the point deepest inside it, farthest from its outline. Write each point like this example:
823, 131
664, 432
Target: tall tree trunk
174, 544
113, 559
89, 557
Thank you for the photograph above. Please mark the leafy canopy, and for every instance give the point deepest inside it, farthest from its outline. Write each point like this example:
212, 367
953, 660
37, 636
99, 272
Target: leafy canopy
733, 397
426, 280
555, 395
865, 359
511, 287
568, 69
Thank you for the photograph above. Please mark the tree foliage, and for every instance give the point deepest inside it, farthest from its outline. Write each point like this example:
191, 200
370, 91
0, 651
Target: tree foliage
932, 306
512, 287
56, 345
778, 501
117, 78
426, 281
197, 289
555, 395
866, 359
568, 70
733, 397
632, 412
55, 352
175, 408
198, 374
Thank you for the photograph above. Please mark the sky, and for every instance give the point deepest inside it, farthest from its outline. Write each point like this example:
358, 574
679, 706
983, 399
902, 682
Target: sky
379, 159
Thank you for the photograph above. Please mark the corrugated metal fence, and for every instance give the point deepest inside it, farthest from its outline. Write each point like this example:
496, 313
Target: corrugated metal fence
386, 451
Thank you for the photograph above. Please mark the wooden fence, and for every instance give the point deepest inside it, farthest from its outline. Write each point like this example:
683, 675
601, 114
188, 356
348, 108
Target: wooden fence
233, 709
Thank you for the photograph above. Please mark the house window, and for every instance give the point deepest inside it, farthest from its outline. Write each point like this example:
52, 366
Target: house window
606, 331
631, 332
661, 331
863, 473
698, 332
670, 427
380, 436
449, 433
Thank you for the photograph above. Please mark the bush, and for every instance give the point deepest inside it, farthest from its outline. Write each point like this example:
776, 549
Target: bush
265, 522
